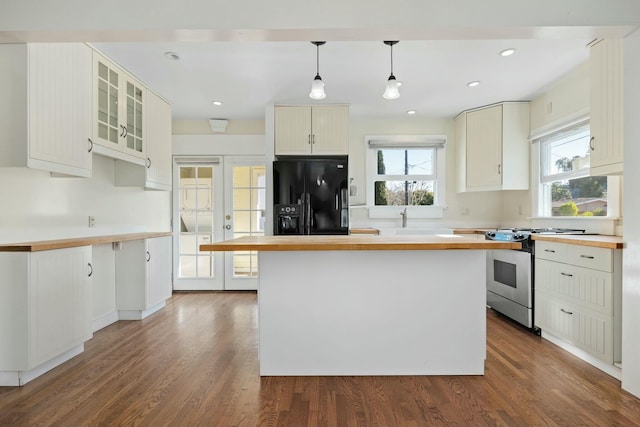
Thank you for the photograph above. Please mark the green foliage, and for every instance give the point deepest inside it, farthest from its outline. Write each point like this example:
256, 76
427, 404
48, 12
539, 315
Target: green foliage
587, 213
559, 192
422, 198
380, 187
568, 209
590, 186
599, 212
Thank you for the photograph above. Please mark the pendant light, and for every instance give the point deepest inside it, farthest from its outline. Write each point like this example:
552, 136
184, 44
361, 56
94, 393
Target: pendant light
391, 90
317, 87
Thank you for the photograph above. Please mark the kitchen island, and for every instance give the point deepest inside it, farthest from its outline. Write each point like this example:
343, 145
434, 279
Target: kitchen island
370, 305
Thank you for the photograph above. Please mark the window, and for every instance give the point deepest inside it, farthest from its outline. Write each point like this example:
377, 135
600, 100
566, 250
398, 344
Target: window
406, 171
566, 188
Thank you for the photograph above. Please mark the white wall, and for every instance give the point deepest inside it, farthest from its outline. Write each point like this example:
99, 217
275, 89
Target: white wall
35, 205
631, 252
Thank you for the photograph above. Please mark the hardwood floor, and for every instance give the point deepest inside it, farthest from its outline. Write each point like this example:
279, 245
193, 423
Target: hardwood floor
195, 363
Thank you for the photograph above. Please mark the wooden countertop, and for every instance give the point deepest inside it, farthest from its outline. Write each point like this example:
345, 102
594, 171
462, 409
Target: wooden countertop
471, 230
45, 245
355, 243
373, 231
610, 242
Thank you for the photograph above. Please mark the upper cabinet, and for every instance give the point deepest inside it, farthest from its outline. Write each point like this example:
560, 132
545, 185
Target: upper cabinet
606, 66
46, 93
118, 112
156, 172
317, 130
493, 147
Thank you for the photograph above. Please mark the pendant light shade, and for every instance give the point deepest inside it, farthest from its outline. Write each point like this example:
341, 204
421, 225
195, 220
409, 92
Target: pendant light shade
391, 90
317, 87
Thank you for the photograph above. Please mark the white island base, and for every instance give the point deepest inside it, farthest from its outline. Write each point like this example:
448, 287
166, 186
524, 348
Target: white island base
372, 312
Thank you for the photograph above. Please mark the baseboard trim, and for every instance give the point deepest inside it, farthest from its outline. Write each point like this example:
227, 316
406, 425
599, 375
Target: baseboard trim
139, 314
20, 378
104, 320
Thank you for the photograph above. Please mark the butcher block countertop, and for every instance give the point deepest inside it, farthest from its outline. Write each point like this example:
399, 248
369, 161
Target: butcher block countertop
46, 245
355, 243
609, 242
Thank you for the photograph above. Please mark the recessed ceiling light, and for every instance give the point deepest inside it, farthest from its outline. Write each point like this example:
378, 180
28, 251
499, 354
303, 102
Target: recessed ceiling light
507, 52
473, 84
171, 55
216, 102
411, 112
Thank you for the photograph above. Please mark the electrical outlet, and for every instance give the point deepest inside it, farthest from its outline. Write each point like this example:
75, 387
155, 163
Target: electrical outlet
92, 221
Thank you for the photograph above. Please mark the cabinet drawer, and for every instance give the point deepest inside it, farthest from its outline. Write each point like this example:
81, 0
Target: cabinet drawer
590, 257
589, 288
589, 331
551, 251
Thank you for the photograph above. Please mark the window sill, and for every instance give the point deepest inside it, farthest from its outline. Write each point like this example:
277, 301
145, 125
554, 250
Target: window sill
579, 218
420, 212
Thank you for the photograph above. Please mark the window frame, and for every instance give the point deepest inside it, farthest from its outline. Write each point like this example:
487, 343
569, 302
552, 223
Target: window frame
541, 193
437, 142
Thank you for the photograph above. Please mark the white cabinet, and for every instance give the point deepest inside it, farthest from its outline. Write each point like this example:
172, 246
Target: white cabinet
45, 300
118, 112
493, 148
143, 277
577, 291
317, 130
606, 66
46, 101
155, 174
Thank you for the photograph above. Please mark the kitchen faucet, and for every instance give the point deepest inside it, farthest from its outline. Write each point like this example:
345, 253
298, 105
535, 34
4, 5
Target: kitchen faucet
404, 218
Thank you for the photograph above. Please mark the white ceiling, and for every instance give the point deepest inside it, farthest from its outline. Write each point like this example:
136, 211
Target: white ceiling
248, 75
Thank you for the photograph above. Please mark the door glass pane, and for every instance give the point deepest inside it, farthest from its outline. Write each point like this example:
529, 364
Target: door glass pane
103, 71
195, 187
187, 266
248, 214
113, 106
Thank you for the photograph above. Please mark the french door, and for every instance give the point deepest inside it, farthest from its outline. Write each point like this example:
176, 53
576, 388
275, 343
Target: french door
215, 199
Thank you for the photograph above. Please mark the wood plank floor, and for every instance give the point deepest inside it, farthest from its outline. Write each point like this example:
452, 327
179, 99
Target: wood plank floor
194, 363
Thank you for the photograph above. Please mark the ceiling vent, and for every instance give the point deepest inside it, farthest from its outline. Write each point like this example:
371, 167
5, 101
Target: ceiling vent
218, 125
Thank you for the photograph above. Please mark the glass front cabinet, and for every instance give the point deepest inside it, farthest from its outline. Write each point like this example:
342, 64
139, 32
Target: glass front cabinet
119, 117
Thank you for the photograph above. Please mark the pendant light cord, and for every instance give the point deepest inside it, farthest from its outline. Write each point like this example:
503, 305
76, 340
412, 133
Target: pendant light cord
392, 60
317, 60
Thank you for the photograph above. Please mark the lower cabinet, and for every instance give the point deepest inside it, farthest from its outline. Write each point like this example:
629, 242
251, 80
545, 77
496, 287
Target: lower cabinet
45, 315
577, 297
143, 277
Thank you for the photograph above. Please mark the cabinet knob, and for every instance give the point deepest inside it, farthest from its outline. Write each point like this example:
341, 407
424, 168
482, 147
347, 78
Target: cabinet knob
90, 144
499, 169
309, 138
148, 162
228, 226
90, 269
591, 143
148, 256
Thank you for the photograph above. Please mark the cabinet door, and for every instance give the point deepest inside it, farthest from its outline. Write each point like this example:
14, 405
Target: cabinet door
158, 143
134, 98
606, 65
484, 148
107, 121
293, 130
60, 108
59, 295
158, 270
330, 130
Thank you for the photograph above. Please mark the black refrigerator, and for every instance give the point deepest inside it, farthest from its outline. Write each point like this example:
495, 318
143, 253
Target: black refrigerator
311, 196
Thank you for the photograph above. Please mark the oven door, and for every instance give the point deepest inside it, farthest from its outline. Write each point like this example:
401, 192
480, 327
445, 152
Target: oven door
509, 275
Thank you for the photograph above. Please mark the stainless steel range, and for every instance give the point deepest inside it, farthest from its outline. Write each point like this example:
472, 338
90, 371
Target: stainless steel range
511, 273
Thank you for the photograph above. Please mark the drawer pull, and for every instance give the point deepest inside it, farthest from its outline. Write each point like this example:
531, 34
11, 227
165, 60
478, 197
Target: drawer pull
566, 274
565, 311
586, 256
550, 250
